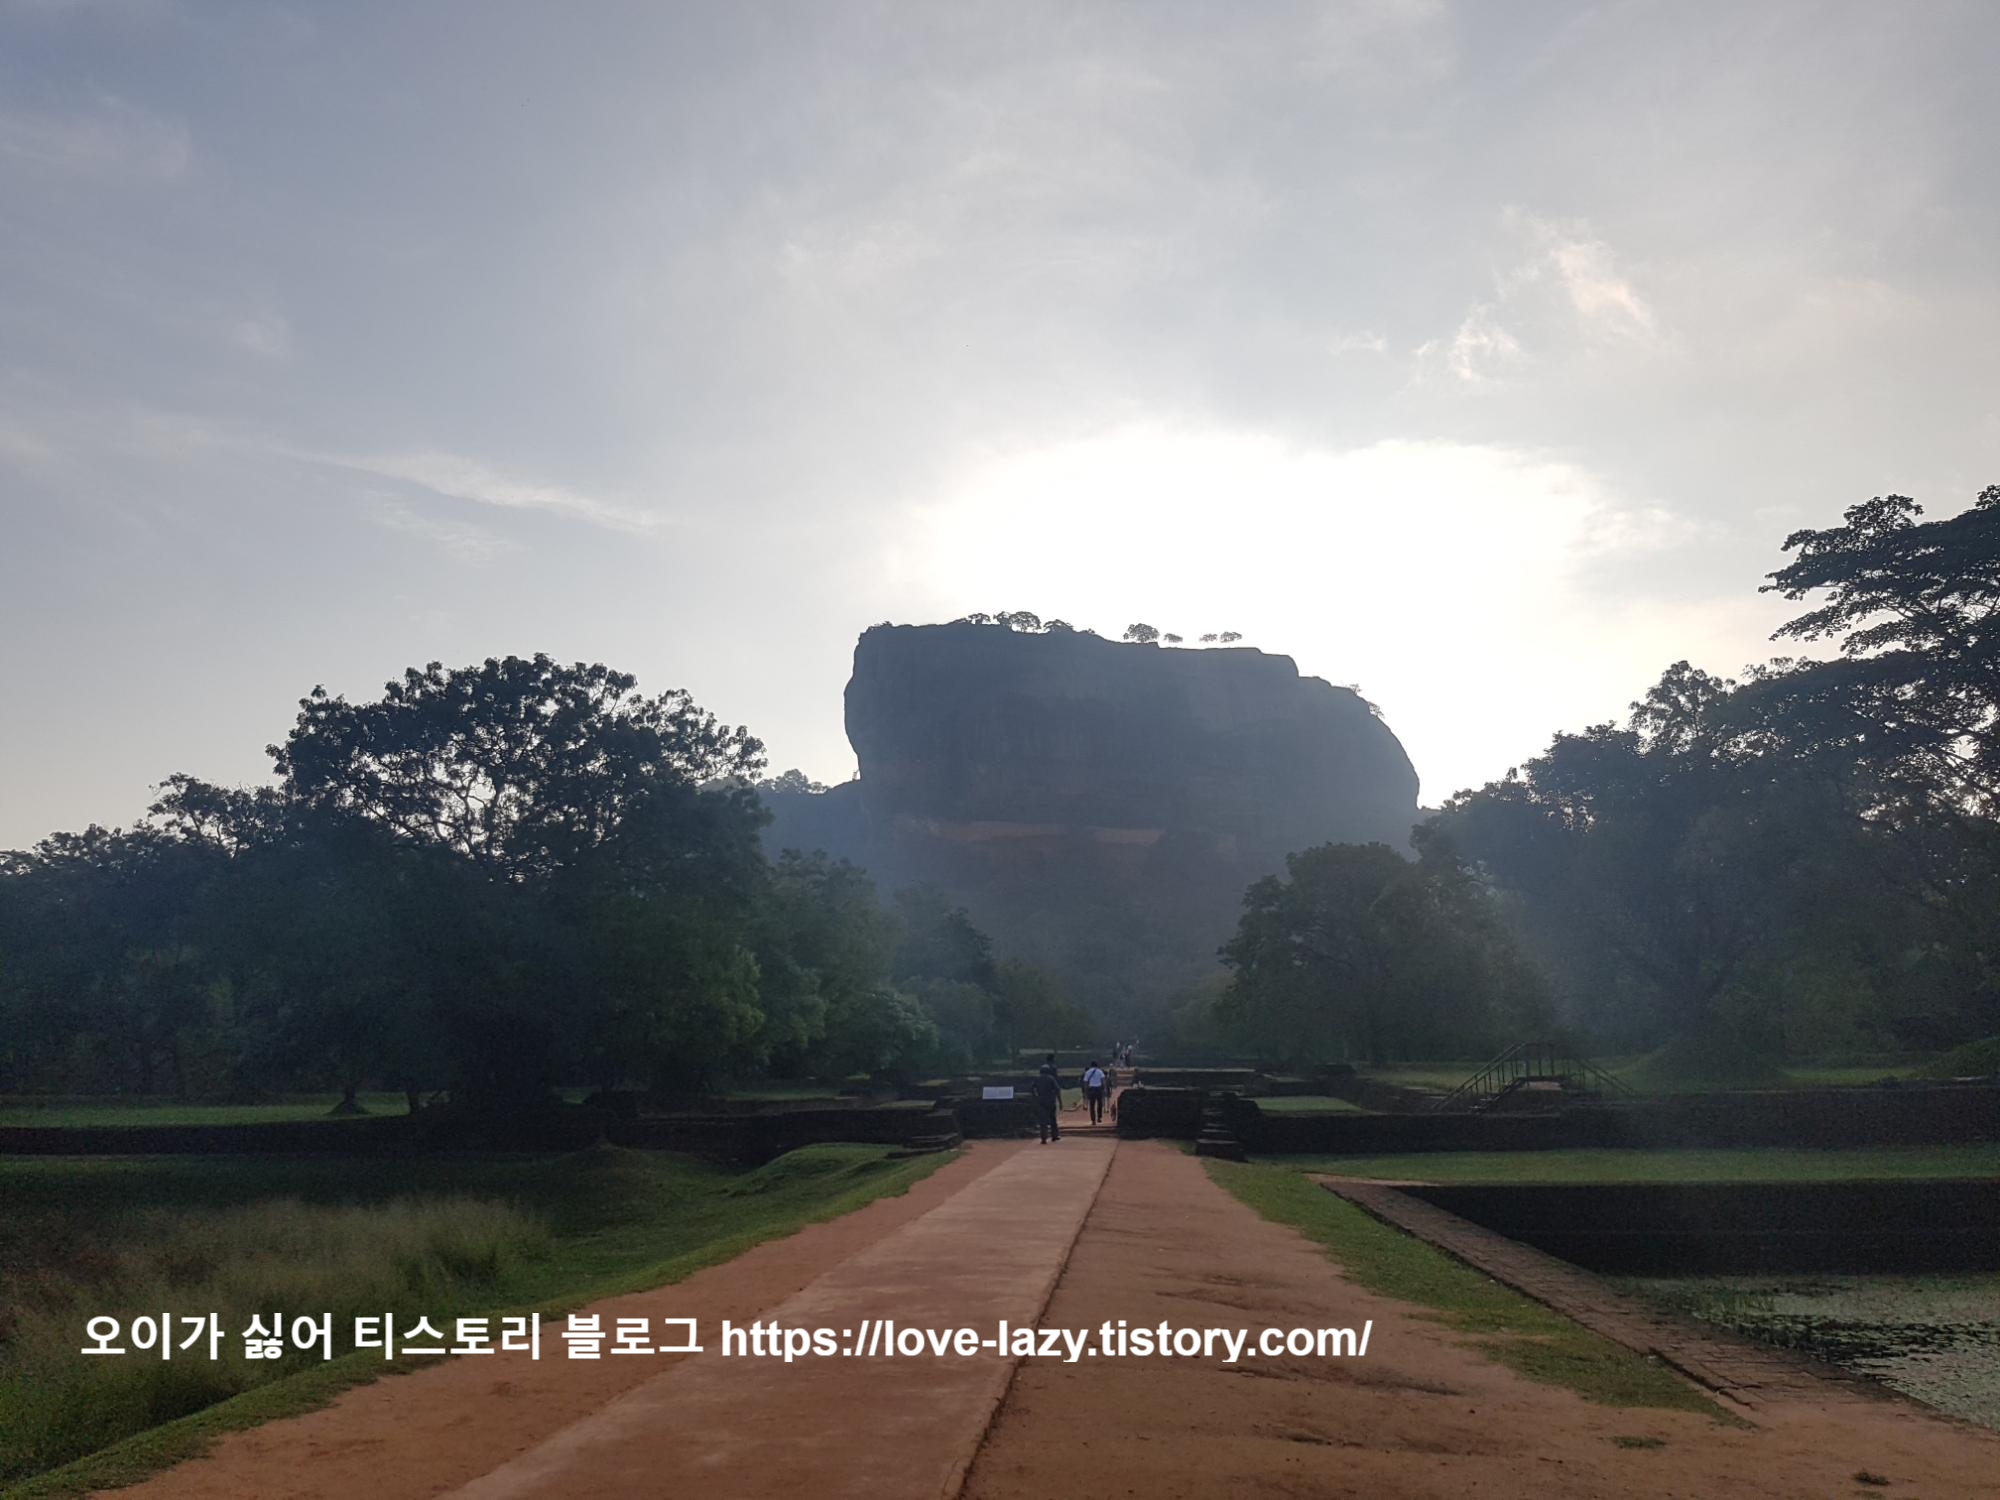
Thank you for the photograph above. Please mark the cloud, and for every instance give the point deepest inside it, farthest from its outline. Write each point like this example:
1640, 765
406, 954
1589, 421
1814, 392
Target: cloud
464, 540
1159, 499
22, 446
1360, 343
1379, 47
1566, 290
1478, 353
459, 478
1448, 578
110, 139
265, 334
1603, 299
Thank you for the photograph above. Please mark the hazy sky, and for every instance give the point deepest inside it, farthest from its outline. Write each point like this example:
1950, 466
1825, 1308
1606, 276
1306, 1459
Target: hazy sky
1478, 354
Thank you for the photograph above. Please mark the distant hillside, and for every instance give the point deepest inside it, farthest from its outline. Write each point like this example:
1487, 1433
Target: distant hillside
1099, 807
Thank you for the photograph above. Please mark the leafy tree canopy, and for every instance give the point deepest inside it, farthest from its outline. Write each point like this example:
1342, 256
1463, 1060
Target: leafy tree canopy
520, 764
1356, 953
1915, 692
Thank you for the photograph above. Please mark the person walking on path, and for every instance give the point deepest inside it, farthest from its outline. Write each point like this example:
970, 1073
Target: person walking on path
1093, 1090
1048, 1099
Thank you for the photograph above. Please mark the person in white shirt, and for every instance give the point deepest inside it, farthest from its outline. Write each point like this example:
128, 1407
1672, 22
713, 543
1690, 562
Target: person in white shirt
1093, 1091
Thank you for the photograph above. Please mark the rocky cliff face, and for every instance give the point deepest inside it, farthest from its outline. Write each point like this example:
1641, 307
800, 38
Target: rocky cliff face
980, 724
1099, 807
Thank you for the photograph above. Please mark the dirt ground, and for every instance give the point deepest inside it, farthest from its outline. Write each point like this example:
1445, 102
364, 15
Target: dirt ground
1421, 1416
847, 1427
432, 1431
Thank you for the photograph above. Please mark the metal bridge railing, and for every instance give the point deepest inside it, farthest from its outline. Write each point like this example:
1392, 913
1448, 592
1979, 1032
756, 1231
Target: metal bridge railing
1525, 1063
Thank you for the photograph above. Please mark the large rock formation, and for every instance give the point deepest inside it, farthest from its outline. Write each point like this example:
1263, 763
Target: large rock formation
1099, 807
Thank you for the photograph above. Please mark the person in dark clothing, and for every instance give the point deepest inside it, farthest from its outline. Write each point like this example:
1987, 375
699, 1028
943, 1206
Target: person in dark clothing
1048, 1099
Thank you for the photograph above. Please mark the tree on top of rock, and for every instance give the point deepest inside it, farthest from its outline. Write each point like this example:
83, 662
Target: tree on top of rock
794, 782
1144, 635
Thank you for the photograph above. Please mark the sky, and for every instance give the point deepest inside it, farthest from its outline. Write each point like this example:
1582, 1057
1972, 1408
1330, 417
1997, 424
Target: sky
1478, 355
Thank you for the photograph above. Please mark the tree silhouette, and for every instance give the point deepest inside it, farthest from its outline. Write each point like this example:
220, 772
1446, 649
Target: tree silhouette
793, 781
1915, 691
522, 764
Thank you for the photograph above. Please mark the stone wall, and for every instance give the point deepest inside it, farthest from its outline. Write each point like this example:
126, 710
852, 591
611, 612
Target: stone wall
1687, 1229
1160, 1112
1908, 1115
734, 1137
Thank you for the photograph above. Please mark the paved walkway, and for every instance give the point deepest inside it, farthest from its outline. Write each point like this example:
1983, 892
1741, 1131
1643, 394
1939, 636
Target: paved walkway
1747, 1373
751, 1427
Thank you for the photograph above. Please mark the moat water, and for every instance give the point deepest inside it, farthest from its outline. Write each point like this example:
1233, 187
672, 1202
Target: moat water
1934, 1338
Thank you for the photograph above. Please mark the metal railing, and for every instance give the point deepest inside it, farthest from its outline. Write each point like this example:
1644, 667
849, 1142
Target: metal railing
1525, 1063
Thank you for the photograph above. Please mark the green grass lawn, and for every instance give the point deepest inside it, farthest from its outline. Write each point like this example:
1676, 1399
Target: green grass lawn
1640, 1075
17, 1109
1307, 1104
1755, 1164
1431, 1075
1818, 1076
1500, 1323
440, 1236
95, 1110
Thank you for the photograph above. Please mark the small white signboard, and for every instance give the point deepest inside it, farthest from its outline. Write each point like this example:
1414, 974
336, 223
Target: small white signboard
997, 1091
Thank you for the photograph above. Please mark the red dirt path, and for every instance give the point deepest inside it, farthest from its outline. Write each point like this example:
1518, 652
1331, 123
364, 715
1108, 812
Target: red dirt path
429, 1432
1422, 1415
